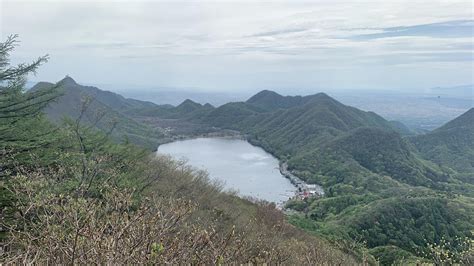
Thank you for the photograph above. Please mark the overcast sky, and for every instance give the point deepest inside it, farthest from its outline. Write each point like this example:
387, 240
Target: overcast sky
241, 45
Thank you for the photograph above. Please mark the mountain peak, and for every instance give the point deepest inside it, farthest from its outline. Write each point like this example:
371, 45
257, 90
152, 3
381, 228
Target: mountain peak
189, 102
270, 100
322, 95
265, 94
188, 106
464, 120
67, 81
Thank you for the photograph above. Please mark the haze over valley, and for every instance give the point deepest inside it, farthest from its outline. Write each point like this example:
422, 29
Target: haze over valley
242, 132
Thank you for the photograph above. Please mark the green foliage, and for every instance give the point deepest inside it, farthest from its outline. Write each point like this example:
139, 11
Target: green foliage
22, 128
409, 223
457, 251
101, 110
98, 202
381, 196
271, 101
393, 255
451, 145
112, 203
186, 110
368, 170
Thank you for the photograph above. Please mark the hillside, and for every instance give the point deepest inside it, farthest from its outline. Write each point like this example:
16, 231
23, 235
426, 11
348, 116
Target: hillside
71, 195
104, 110
324, 133
451, 145
366, 166
270, 100
368, 150
359, 158
294, 124
188, 109
187, 168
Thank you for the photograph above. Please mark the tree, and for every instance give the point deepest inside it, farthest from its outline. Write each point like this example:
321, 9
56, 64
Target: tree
22, 127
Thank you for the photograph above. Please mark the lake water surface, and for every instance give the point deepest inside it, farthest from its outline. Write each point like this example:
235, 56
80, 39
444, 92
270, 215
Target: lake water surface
241, 166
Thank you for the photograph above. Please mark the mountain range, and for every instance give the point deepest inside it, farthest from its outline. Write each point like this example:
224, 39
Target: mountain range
395, 191
102, 109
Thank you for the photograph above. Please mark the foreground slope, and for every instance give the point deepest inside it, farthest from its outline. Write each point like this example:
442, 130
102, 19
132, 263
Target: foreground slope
99, 201
379, 189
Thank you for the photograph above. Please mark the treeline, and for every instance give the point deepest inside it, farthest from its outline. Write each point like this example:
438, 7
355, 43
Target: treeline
70, 195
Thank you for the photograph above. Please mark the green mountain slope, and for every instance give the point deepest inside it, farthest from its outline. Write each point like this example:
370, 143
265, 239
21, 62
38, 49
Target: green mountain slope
452, 144
71, 195
309, 125
270, 100
369, 149
312, 123
104, 111
316, 131
366, 168
230, 115
381, 188
188, 109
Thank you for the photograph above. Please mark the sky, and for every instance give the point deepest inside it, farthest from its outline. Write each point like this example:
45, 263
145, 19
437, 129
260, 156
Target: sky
246, 45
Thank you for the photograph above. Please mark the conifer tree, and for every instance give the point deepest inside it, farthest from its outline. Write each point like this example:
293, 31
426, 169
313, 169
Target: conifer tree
22, 126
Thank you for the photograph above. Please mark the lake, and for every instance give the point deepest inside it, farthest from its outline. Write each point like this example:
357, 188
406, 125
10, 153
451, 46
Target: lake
239, 165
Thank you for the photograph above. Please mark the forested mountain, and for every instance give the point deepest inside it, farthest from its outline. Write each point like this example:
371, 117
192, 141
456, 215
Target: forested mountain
367, 149
72, 91
451, 145
209, 156
188, 109
318, 109
71, 195
101, 109
392, 192
369, 170
270, 100
296, 131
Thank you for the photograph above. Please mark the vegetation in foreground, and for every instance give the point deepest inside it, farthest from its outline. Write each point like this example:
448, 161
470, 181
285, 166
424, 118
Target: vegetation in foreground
71, 196
396, 195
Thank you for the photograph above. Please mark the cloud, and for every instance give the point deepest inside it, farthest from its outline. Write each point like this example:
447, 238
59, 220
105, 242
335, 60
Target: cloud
252, 44
445, 29
279, 32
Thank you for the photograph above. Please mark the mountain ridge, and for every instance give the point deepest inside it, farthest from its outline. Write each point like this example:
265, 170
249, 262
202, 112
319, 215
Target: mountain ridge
365, 164
108, 106
270, 100
451, 144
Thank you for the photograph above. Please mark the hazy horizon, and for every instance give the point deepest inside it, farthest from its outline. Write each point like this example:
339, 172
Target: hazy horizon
327, 132
406, 46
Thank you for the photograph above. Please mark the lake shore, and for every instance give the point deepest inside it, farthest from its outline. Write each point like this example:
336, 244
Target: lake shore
302, 186
303, 189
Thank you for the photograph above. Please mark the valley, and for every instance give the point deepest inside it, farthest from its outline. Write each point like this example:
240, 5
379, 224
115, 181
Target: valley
372, 172
194, 132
